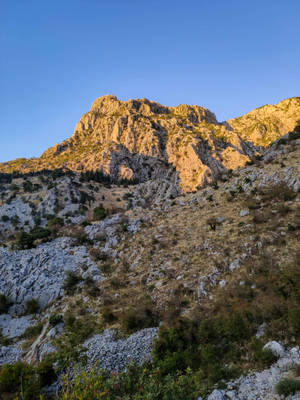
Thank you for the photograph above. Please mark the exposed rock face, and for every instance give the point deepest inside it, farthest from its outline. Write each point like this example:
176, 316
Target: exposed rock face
39, 273
142, 140
261, 385
265, 124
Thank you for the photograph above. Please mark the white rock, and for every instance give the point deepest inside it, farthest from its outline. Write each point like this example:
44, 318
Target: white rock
222, 283
276, 348
231, 394
244, 213
216, 395
14, 327
234, 264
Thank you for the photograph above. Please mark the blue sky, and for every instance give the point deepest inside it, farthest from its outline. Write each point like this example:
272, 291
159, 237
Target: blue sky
58, 56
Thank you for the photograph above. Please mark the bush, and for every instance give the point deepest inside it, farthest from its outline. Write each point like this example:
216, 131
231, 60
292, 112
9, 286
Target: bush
32, 306
68, 346
264, 358
4, 218
108, 316
4, 304
280, 191
212, 222
287, 387
71, 281
97, 254
143, 316
55, 319
33, 331
25, 381
55, 223
26, 240
137, 383
20, 378
99, 213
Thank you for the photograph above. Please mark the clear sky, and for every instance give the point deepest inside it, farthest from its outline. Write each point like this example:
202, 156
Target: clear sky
58, 56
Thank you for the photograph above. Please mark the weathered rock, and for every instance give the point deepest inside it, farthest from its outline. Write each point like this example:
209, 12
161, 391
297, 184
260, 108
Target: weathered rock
14, 327
276, 348
39, 273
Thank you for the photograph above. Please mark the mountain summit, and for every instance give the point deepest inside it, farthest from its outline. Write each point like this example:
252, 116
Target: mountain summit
141, 140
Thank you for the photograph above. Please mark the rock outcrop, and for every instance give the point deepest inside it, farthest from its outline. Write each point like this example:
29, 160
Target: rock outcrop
141, 140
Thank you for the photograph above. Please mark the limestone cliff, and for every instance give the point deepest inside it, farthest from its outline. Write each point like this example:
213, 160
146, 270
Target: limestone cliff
142, 140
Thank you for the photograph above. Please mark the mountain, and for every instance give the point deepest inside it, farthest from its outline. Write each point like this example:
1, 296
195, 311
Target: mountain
153, 292
141, 140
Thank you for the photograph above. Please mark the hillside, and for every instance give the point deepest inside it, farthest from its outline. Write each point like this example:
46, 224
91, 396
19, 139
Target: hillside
200, 289
141, 140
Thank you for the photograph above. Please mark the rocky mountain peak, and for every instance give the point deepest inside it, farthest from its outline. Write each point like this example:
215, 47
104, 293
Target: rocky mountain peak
142, 140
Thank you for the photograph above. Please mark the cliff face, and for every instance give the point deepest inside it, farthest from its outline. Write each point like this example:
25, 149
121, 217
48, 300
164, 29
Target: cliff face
143, 140
268, 123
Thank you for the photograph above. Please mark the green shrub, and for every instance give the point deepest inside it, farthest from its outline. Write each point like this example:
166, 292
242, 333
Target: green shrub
287, 386
55, 319
24, 381
99, 213
264, 358
296, 134
71, 281
108, 316
212, 222
20, 378
33, 331
4, 304
4, 218
55, 222
26, 240
27, 186
46, 373
32, 306
77, 330
14, 187
279, 191
39, 232
137, 383
142, 316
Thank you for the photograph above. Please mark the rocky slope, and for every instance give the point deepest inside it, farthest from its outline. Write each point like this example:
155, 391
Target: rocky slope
141, 140
84, 262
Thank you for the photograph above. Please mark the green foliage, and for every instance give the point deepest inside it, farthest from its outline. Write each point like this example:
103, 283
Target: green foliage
142, 316
212, 222
279, 191
99, 213
55, 319
288, 387
55, 222
71, 281
13, 187
108, 316
4, 218
26, 240
263, 358
26, 381
4, 304
138, 383
69, 349
33, 331
27, 186
32, 306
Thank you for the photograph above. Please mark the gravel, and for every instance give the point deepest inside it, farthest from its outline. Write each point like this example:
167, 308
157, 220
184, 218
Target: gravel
114, 355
